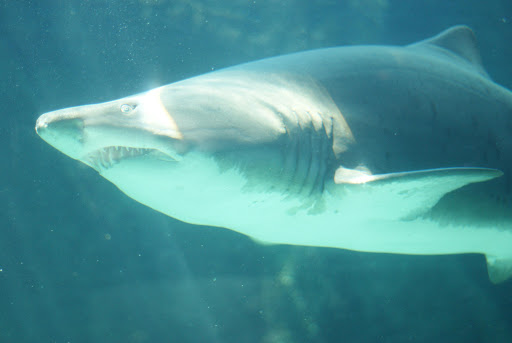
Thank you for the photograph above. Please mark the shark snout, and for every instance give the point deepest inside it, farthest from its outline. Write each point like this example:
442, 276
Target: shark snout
68, 126
62, 131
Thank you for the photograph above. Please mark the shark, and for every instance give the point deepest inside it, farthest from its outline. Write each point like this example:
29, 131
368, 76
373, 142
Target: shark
371, 148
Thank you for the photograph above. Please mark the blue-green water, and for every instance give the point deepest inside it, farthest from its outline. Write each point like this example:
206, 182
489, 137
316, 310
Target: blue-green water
81, 262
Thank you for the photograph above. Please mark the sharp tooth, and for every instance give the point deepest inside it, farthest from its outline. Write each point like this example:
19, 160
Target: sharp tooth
108, 157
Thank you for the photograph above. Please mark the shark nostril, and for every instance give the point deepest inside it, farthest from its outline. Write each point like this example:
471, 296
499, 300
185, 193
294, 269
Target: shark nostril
41, 125
62, 132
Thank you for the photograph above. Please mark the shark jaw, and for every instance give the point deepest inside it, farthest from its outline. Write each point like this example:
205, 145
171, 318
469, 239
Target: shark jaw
106, 158
100, 158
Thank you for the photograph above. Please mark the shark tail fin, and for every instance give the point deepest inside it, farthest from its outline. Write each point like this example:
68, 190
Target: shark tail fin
499, 268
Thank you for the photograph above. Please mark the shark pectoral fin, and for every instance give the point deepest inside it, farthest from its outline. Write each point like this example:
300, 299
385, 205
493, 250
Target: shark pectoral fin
406, 194
499, 269
452, 177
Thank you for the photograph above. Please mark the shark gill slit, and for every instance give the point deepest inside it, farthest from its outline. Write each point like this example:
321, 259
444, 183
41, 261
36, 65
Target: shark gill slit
319, 158
312, 170
307, 159
307, 147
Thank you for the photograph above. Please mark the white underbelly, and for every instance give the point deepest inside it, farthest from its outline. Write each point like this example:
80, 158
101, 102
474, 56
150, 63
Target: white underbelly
331, 220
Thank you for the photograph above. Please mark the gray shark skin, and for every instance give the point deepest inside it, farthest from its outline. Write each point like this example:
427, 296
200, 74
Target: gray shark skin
385, 149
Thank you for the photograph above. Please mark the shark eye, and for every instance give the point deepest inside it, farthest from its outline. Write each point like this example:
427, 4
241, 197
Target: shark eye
127, 109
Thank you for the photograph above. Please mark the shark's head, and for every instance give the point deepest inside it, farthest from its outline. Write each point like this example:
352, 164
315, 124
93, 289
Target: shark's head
102, 135
206, 139
208, 114
172, 146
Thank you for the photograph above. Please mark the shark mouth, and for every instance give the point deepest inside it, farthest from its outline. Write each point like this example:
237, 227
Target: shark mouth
107, 157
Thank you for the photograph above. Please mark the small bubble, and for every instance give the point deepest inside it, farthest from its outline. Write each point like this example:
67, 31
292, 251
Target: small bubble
108, 236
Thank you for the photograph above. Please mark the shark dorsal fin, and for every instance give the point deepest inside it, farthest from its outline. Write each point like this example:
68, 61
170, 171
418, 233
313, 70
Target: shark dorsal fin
458, 42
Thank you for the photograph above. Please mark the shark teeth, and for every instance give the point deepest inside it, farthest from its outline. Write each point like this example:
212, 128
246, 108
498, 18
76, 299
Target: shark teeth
109, 156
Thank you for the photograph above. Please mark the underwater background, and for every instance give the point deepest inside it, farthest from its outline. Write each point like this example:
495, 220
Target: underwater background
82, 262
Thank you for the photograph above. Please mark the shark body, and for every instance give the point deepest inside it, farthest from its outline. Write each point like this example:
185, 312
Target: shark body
370, 148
